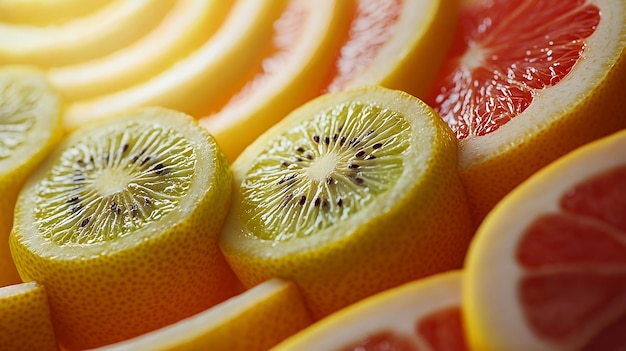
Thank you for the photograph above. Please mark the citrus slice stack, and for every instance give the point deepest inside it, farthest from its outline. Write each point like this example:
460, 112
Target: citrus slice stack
25, 324
41, 13
527, 82
424, 315
109, 28
303, 44
255, 320
30, 126
204, 74
546, 270
120, 225
187, 25
351, 194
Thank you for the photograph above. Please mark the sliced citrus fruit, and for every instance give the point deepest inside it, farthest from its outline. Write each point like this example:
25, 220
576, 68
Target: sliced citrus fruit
111, 27
255, 320
349, 195
187, 25
43, 13
120, 225
399, 44
304, 41
423, 315
527, 82
30, 125
205, 73
546, 269
25, 324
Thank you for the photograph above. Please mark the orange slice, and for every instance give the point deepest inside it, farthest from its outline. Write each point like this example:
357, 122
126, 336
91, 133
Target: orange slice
187, 25
30, 126
303, 43
205, 73
110, 28
120, 225
255, 320
399, 44
547, 269
25, 324
424, 315
351, 194
527, 82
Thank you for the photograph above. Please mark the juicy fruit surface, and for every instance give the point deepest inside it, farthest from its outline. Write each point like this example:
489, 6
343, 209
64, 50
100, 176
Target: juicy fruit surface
503, 53
391, 171
325, 170
25, 324
140, 268
424, 315
30, 125
525, 83
562, 284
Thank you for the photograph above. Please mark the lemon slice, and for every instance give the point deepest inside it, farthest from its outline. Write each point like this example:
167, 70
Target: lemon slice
255, 320
351, 194
120, 225
187, 25
108, 29
30, 125
204, 74
25, 323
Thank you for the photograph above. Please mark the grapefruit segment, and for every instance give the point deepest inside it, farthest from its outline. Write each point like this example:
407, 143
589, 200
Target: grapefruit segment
525, 83
546, 268
423, 315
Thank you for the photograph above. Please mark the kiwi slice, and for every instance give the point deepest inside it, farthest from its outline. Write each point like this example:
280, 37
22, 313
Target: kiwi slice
30, 125
324, 170
349, 195
120, 225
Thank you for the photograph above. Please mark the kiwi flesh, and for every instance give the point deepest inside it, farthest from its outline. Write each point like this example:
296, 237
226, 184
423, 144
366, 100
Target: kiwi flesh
323, 170
112, 184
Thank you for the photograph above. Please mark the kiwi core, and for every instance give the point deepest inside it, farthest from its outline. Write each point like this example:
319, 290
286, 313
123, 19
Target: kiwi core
323, 170
113, 182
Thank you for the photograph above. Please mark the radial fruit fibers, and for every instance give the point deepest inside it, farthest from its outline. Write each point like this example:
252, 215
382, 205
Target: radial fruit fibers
30, 126
255, 320
351, 194
527, 82
423, 315
120, 225
546, 270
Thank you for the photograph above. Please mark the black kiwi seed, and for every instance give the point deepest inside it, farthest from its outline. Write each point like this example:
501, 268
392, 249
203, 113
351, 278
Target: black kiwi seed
317, 201
145, 160
358, 180
377, 145
158, 169
72, 200
359, 154
125, 148
316, 138
340, 202
342, 140
329, 180
326, 140
302, 200
369, 157
353, 165
85, 222
300, 149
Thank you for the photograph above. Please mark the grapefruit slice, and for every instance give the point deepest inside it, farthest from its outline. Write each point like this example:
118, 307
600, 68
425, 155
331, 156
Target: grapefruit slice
114, 224
399, 44
546, 270
110, 28
423, 315
255, 320
349, 195
527, 82
187, 25
25, 324
304, 40
205, 72
30, 126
